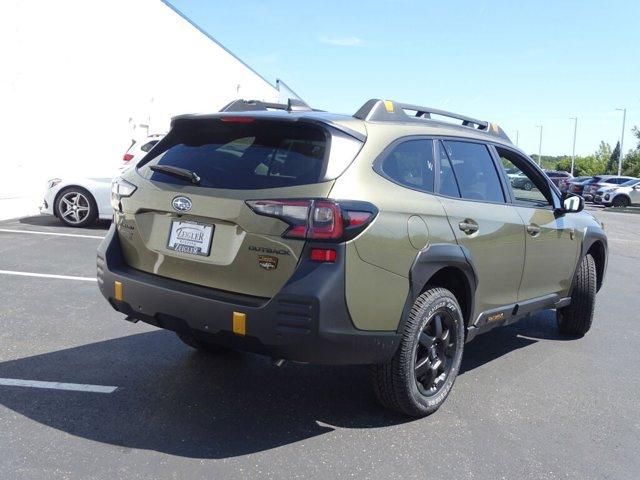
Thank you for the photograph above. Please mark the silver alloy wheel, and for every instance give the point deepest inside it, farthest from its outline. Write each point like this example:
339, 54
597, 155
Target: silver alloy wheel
74, 207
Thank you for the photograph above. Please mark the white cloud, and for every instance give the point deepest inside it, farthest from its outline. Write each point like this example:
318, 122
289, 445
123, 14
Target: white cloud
343, 41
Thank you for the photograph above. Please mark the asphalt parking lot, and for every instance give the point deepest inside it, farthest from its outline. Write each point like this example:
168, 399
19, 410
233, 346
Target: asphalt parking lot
527, 404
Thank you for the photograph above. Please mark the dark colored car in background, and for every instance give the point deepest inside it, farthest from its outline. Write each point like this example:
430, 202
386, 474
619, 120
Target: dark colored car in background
568, 184
559, 177
577, 185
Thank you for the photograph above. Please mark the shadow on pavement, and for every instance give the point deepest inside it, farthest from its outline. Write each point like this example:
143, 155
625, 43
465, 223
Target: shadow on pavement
502, 340
601, 208
51, 221
174, 400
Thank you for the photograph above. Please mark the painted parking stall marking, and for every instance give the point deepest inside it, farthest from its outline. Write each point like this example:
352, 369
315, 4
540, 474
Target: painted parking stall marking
72, 387
38, 232
47, 275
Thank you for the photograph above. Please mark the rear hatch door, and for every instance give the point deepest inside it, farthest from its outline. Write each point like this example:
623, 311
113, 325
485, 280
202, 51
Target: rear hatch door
203, 231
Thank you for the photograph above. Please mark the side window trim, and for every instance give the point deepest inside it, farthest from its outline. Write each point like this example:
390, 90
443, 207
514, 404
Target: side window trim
439, 150
504, 178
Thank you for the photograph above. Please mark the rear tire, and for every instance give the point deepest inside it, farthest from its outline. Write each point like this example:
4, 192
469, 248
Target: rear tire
420, 375
76, 207
576, 319
191, 341
620, 201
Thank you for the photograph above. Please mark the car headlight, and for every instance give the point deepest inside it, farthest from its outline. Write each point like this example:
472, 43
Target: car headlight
120, 189
53, 182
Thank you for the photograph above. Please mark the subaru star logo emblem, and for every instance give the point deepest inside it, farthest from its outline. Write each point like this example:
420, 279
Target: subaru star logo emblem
181, 204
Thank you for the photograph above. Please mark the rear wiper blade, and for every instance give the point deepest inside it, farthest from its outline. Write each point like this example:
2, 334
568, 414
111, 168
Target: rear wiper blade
177, 172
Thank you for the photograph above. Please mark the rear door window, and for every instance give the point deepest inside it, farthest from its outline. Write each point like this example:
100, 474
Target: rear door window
411, 164
475, 171
251, 155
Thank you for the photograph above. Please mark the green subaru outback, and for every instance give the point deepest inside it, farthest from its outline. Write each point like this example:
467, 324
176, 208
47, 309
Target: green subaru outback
388, 238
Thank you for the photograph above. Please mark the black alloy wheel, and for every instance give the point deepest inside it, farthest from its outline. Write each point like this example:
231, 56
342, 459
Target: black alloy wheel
435, 351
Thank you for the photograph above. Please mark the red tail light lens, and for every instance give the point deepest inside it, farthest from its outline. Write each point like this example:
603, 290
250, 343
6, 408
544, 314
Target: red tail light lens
127, 157
317, 219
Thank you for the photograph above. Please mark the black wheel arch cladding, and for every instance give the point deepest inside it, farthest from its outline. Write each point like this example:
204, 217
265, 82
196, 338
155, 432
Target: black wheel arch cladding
443, 265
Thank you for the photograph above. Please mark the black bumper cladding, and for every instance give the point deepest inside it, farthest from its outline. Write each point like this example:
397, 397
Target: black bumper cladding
307, 321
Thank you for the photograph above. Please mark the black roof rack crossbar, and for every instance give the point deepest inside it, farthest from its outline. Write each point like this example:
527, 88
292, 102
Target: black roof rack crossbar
292, 105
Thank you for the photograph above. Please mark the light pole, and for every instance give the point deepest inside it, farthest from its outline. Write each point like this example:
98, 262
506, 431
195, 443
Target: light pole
517, 137
540, 146
624, 119
573, 152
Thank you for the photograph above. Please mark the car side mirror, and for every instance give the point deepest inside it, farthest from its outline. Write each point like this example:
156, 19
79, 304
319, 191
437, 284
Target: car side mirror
572, 203
636, 187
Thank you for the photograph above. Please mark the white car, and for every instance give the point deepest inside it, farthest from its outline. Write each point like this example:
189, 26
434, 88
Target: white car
78, 202
139, 149
622, 195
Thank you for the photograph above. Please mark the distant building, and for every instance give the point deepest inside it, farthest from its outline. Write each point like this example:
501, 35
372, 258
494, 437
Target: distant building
84, 77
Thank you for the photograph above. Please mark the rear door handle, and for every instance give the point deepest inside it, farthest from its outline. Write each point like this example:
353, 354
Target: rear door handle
533, 230
468, 226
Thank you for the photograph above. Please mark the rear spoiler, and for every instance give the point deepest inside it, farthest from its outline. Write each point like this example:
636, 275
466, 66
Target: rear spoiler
268, 111
292, 105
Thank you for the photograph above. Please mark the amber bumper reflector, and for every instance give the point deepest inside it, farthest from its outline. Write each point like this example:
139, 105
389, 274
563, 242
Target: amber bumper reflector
239, 323
117, 290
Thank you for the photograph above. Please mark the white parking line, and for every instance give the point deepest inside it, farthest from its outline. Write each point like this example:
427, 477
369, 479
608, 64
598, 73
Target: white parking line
35, 232
47, 275
74, 387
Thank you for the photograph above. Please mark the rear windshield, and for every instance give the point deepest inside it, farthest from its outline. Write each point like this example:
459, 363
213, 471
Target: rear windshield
255, 155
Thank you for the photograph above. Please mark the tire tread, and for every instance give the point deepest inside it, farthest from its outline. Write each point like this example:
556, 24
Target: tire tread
388, 382
576, 319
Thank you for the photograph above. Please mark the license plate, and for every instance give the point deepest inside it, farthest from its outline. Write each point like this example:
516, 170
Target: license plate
190, 237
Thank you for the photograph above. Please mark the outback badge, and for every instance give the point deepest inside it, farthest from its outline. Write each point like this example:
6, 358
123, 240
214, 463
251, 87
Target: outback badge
268, 262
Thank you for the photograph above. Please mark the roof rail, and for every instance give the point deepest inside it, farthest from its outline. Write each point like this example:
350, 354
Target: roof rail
292, 105
389, 111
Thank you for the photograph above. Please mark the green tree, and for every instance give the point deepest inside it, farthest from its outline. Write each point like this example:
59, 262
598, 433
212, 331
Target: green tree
584, 166
604, 152
612, 163
631, 163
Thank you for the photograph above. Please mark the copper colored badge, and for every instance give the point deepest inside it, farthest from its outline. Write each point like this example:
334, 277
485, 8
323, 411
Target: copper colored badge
268, 262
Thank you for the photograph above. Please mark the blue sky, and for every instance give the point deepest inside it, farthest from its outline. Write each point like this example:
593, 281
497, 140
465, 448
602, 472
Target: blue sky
520, 64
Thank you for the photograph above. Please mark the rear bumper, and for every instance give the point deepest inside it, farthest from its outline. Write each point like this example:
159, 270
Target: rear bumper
307, 321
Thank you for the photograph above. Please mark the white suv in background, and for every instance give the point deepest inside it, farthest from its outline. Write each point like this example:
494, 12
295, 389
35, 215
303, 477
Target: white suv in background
622, 195
139, 148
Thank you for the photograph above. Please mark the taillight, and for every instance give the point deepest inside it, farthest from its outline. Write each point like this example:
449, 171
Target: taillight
312, 219
127, 157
